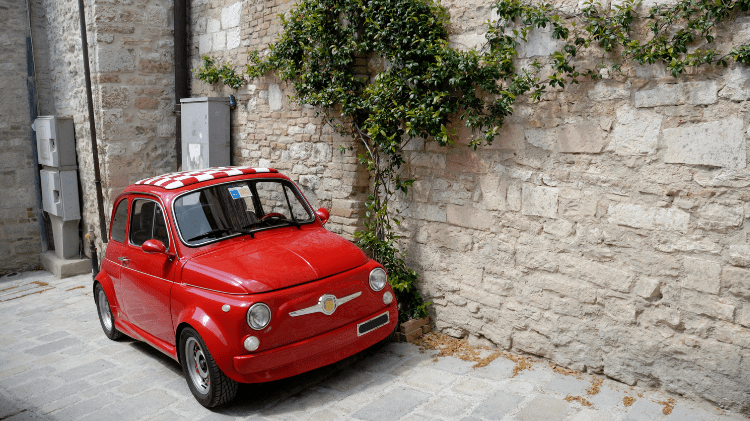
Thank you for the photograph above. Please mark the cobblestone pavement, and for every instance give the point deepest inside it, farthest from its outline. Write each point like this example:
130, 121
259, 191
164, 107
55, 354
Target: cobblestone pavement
56, 364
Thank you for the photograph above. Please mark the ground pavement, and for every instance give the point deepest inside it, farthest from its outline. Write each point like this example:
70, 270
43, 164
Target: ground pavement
56, 364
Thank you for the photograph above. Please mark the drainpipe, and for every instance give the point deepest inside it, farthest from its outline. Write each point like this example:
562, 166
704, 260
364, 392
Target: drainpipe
92, 125
181, 70
33, 113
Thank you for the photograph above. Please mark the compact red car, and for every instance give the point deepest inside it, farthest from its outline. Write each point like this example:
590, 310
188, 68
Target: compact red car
230, 272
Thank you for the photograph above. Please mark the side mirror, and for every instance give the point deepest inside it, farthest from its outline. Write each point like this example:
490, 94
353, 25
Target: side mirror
323, 215
154, 246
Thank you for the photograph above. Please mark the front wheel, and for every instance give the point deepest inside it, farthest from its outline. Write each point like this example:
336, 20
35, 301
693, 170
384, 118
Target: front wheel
105, 314
210, 386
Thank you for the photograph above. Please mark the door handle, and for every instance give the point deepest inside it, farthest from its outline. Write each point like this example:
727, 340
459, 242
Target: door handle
124, 260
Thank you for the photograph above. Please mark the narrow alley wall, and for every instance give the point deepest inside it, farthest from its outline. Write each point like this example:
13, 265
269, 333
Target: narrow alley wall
19, 209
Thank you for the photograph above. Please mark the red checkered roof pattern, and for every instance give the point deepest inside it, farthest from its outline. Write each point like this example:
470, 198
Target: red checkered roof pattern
180, 179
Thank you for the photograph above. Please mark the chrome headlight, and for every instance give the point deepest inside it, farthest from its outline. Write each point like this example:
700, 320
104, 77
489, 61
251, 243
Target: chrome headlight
258, 316
378, 279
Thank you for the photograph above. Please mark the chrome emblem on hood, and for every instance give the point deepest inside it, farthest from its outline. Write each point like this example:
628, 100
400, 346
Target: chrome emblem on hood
327, 304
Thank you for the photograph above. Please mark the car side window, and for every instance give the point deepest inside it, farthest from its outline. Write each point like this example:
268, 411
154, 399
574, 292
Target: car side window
147, 222
119, 223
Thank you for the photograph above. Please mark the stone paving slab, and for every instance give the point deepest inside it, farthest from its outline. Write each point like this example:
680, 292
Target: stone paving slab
56, 364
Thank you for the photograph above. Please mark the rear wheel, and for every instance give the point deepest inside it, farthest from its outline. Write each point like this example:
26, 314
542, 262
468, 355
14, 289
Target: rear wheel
210, 386
105, 314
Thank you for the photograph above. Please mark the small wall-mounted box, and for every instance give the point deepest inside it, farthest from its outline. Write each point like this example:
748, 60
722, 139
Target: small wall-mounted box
55, 141
60, 193
205, 133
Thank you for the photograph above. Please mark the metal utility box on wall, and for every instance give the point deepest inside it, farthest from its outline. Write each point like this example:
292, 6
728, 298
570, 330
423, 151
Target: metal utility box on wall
55, 140
205, 133
60, 193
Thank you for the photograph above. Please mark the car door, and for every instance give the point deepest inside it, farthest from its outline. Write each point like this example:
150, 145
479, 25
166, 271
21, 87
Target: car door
147, 277
116, 249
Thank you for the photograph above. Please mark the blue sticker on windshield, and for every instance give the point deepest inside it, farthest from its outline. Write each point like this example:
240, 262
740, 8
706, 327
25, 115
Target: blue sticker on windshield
235, 193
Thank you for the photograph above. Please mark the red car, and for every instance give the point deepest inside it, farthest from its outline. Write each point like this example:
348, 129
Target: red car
231, 273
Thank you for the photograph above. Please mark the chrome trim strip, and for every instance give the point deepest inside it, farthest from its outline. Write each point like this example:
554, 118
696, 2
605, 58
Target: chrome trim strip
147, 274
387, 320
320, 308
213, 290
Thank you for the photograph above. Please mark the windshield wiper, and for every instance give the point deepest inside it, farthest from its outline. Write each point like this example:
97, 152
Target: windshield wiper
211, 234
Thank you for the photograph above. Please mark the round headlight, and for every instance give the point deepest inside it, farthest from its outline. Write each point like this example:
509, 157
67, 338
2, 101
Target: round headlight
378, 279
258, 316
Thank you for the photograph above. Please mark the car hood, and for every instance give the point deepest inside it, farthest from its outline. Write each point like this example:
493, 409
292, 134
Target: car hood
274, 259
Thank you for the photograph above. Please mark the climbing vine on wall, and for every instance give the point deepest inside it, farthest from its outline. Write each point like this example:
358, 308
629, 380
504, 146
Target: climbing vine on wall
423, 84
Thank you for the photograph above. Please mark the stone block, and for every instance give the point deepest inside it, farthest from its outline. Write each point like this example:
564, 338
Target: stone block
219, 41
560, 228
743, 316
574, 203
647, 288
636, 131
393, 405
204, 44
707, 305
214, 25
568, 287
493, 192
737, 87
115, 59
469, 217
637, 216
717, 217
672, 94
701, 93
63, 268
717, 143
737, 281
545, 408
114, 97
608, 90
497, 406
542, 138
233, 38
585, 137
539, 42
230, 15
739, 254
702, 275
274, 97
539, 201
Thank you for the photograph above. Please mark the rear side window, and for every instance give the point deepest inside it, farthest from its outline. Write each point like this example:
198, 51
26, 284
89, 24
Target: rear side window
147, 222
120, 222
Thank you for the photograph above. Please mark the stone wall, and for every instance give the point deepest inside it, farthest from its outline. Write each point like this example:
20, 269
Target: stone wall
19, 224
130, 51
268, 129
606, 229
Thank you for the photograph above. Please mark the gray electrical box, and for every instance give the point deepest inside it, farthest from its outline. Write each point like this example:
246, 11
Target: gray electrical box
55, 140
60, 193
205, 133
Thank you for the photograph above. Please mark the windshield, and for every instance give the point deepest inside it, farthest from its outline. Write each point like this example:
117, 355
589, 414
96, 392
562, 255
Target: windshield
243, 207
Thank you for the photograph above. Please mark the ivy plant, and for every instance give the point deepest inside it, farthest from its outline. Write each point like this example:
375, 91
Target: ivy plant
425, 85
211, 74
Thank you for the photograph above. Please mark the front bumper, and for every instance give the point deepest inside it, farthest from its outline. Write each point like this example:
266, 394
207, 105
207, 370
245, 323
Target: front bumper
312, 353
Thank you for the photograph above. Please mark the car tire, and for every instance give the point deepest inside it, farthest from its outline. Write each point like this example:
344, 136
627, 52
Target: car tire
210, 386
105, 313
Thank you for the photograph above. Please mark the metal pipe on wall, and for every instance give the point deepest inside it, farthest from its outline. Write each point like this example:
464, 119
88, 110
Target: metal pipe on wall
92, 124
181, 70
33, 113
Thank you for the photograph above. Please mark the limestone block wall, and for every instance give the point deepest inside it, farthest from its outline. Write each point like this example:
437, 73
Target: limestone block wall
19, 225
606, 229
267, 128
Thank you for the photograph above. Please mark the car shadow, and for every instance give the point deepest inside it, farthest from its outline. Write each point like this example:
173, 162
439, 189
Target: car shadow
301, 393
